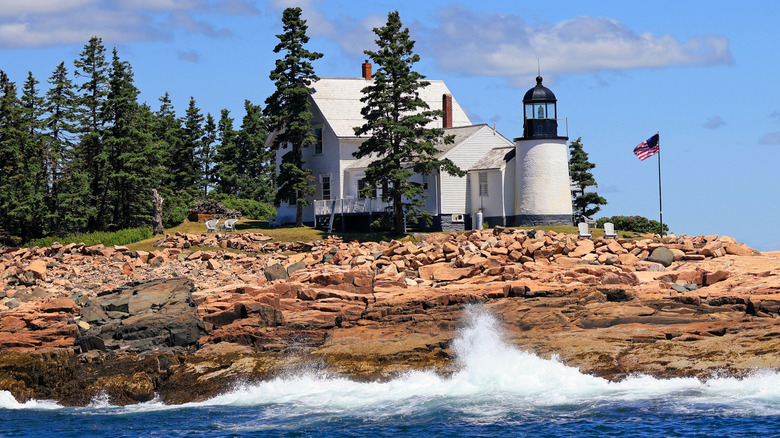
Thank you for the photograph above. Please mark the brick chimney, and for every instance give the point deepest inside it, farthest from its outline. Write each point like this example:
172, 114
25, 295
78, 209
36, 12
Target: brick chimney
367, 70
446, 106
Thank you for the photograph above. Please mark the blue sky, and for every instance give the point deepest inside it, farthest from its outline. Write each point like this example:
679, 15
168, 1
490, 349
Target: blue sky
704, 74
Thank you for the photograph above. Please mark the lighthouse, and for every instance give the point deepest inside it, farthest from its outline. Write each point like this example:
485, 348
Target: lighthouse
543, 191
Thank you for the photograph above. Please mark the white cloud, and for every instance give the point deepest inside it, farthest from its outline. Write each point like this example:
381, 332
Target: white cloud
15, 8
714, 122
771, 138
37, 23
504, 45
189, 56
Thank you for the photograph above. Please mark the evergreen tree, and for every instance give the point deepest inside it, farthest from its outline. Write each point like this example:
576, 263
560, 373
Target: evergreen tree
396, 118
11, 157
585, 204
289, 113
133, 155
254, 161
60, 130
225, 167
91, 158
185, 165
32, 186
208, 153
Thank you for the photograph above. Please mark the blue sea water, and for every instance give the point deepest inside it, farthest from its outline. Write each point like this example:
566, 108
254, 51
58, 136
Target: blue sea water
499, 391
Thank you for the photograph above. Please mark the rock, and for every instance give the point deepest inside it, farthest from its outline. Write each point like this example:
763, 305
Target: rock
149, 316
662, 255
275, 272
38, 268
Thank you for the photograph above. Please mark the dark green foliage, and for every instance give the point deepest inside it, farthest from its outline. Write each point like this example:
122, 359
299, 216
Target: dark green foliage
289, 113
637, 224
256, 164
208, 153
60, 129
121, 237
249, 208
396, 117
175, 209
226, 166
584, 203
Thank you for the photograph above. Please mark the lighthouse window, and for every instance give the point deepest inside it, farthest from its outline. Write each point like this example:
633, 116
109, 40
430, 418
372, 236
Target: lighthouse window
529, 111
483, 184
540, 112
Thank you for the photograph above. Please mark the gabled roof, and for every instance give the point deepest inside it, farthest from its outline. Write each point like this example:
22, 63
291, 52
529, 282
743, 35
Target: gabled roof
460, 135
495, 159
339, 101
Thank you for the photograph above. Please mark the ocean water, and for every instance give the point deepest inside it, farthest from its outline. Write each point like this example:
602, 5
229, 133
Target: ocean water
499, 391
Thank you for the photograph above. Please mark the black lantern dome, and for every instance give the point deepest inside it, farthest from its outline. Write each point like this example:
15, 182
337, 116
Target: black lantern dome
540, 115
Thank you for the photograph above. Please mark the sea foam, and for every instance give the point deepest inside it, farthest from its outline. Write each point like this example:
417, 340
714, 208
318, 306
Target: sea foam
492, 375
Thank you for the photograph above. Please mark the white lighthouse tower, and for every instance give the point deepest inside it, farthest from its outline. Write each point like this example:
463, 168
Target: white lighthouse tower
543, 195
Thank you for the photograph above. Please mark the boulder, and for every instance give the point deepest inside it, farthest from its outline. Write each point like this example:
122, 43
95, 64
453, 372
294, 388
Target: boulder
662, 255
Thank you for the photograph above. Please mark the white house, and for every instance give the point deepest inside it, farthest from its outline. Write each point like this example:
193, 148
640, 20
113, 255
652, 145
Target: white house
491, 187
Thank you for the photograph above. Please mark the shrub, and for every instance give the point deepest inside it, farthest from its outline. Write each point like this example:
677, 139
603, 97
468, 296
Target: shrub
249, 208
174, 211
120, 237
636, 224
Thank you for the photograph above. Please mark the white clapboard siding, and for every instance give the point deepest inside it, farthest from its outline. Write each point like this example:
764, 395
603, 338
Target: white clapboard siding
464, 155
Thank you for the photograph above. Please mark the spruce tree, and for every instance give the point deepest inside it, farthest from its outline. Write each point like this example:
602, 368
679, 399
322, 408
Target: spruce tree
396, 119
32, 187
185, 165
225, 167
257, 164
91, 159
585, 203
208, 153
133, 155
289, 113
60, 131
11, 157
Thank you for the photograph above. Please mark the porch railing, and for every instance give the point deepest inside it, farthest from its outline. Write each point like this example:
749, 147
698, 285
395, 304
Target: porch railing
350, 206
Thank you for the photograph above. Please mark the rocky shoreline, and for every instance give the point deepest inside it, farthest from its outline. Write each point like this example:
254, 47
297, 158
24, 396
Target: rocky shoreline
184, 324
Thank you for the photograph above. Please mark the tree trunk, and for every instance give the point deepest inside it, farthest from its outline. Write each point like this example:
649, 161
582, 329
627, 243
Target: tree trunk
157, 216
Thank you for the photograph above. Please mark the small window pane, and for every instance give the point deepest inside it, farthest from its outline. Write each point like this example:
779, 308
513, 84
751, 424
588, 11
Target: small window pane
483, 184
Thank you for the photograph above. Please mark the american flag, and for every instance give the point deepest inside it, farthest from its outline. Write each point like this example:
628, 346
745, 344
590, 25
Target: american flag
647, 148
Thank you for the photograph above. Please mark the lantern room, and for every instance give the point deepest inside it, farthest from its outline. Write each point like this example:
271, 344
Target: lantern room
540, 116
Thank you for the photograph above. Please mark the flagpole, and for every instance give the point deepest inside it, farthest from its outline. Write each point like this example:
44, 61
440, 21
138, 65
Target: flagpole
660, 201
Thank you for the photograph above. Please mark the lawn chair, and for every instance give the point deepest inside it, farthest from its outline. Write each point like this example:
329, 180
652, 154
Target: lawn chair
583, 229
212, 225
609, 230
229, 225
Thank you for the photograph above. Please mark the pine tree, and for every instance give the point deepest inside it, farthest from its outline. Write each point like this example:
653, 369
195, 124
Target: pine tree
32, 189
60, 131
257, 164
585, 204
91, 158
225, 167
208, 153
133, 155
11, 156
289, 113
185, 165
396, 118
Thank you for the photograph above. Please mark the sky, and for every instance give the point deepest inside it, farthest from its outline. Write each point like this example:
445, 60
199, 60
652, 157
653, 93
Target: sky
702, 74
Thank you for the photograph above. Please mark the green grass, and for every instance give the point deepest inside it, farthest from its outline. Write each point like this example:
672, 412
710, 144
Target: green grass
121, 237
141, 239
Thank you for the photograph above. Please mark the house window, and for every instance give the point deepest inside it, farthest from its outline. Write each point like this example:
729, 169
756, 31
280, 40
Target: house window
483, 184
318, 140
325, 179
362, 184
425, 182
